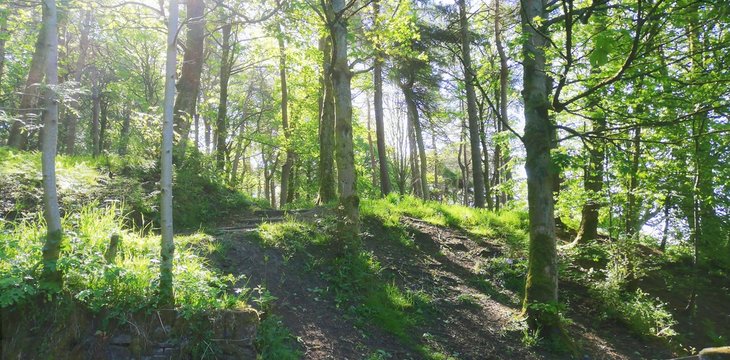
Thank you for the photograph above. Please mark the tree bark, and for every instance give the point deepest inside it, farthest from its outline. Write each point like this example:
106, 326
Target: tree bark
631, 203
167, 245
501, 157
471, 108
221, 119
378, 107
373, 164
542, 275
124, 135
4, 14
341, 76
18, 137
188, 85
289, 161
327, 187
95, 110
416, 123
51, 213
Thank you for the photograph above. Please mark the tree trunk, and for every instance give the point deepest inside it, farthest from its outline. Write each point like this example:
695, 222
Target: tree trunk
413, 150
415, 121
631, 203
471, 107
51, 213
327, 192
95, 109
341, 75
71, 119
542, 275
188, 85
501, 157
167, 245
18, 137
124, 135
289, 161
378, 102
373, 166
221, 121
4, 14
103, 124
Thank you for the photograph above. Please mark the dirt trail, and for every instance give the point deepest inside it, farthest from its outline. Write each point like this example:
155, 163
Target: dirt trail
471, 319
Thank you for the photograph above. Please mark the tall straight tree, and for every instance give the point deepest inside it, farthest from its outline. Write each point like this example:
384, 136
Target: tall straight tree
471, 107
51, 213
289, 160
344, 149
188, 86
327, 189
167, 245
378, 107
224, 76
542, 276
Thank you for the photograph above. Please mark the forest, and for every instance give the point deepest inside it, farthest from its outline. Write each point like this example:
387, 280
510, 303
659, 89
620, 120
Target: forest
364, 179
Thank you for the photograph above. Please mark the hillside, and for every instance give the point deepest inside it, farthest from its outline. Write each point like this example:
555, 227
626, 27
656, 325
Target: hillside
430, 281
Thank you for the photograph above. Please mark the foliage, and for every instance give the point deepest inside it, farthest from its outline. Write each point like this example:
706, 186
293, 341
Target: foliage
125, 285
275, 342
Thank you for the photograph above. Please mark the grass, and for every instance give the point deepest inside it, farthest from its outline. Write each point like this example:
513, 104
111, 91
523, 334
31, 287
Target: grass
275, 342
505, 227
125, 285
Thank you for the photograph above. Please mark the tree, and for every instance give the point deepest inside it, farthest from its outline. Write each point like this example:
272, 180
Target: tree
344, 151
327, 190
51, 213
471, 106
289, 161
167, 244
18, 137
188, 86
378, 108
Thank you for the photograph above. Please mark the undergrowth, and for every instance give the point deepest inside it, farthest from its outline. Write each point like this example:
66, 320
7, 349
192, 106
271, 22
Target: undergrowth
127, 283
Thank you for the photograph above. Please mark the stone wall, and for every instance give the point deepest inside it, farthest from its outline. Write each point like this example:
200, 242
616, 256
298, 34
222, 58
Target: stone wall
163, 334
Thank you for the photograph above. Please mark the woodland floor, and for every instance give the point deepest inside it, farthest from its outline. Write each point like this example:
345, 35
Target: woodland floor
442, 265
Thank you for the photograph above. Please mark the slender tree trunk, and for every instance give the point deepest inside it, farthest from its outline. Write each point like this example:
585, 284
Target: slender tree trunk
4, 14
631, 204
413, 149
378, 102
207, 135
103, 124
221, 121
289, 161
95, 110
188, 85
435, 163
373, 165
18, 137
197, 129
167, 246
485, 159
71, 119
665, 232
341, 76
542, 275
415, 121
124, 135
501, 157
471, 108
51, 213
327, 187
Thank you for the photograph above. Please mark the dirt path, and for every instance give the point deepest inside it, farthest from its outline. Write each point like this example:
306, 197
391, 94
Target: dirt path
472, 318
